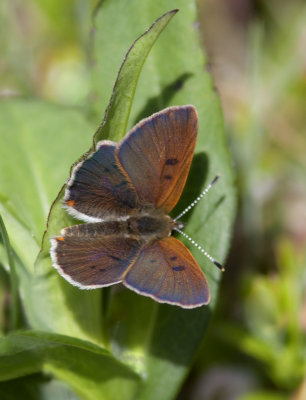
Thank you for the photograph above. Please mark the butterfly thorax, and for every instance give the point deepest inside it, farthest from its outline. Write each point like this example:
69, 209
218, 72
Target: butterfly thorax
149, 226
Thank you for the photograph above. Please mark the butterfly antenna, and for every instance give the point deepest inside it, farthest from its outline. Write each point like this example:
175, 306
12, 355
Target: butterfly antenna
198, 198
217, 264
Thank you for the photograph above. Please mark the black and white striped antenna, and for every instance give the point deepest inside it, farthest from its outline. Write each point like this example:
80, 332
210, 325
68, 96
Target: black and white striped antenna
188, 209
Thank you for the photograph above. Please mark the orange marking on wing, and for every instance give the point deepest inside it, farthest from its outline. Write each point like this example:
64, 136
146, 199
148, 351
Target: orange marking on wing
61, 238
70, 203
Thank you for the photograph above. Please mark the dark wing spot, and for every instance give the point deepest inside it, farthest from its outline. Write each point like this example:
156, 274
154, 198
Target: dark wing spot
173, 258
93, 267
114, 166
115, 258
122, 183
168, 177
102, 269
172, 161
152, 261
179, 268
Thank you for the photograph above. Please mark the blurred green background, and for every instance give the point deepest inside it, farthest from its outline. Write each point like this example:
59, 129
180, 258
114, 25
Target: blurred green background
255, 348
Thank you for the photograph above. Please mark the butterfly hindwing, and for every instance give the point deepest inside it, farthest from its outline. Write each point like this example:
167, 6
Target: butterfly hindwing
89, 259
157, 153
167, 272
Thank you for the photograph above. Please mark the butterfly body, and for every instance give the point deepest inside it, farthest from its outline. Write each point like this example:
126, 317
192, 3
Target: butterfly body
124, 192
147, 227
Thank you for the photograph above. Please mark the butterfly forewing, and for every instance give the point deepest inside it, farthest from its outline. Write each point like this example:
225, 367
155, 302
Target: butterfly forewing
157, 154
98, 189
167, 272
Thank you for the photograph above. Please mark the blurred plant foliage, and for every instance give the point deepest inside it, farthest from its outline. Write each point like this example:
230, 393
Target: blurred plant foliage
58, 67
57, 79
273, 313
259, 65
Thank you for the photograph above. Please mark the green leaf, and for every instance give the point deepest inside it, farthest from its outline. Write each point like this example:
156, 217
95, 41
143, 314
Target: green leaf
15, 311
38, 144
36, 387
91, 371
118, 111
35, 156
160, 340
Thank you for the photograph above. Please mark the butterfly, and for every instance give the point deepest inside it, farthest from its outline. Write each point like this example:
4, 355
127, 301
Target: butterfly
124, 192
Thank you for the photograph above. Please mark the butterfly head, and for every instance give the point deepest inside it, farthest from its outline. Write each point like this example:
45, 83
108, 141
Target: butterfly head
177, 225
